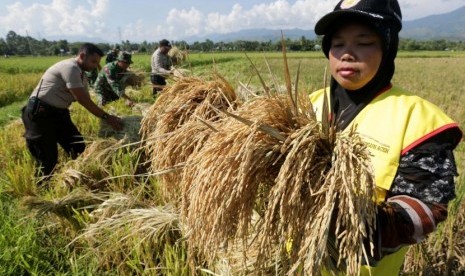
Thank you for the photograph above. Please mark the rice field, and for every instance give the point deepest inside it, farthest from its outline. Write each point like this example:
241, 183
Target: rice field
179, 198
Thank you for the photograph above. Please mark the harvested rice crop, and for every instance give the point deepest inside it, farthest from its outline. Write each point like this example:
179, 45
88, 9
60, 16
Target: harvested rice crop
91, 168
177, 55
223, 179
174, 149
187, 97
172, 128
134, 79
298, 177
129, 133
65, 207
143, 233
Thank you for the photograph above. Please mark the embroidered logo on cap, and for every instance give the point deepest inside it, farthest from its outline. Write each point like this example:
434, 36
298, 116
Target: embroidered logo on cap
347, 4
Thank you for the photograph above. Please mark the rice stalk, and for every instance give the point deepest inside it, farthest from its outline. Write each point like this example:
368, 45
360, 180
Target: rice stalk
134, 238
129, 133
174, 149
91, 167
116, 203
79, 200
322, 203
177, 56
173, 128
222, 180
186, 97
134, 79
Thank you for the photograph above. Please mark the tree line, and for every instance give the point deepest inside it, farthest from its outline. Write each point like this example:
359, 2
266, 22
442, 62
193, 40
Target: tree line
14, 44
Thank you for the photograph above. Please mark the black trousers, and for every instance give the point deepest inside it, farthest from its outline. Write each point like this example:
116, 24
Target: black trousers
51, 126
157, 80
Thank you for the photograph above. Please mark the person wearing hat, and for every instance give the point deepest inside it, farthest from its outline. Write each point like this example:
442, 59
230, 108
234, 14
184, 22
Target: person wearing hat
410, 139
113, 54
161, 66
46, 116
110, 83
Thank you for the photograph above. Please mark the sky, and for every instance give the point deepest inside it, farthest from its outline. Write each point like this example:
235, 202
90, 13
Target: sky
151, 20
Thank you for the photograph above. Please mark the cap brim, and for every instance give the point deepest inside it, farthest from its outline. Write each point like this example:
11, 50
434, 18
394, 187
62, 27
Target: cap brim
326, 24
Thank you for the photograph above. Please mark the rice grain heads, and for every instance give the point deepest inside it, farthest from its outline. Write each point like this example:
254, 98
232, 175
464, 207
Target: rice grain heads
173, 128
313, 190
236, 166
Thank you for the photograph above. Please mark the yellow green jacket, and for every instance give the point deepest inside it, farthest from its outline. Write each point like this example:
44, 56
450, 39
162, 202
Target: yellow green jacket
391, 124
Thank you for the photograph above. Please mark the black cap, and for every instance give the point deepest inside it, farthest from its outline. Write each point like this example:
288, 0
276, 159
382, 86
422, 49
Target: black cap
165, 42
385, 12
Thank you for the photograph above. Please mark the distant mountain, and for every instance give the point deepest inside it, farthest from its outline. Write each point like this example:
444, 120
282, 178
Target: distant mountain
255, 35
440, 26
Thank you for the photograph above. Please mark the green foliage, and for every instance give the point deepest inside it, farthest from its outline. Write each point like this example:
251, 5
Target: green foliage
18, 45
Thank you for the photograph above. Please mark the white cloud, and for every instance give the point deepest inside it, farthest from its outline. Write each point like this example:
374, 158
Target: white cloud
60, 17
96, 18
188, 22
280, 14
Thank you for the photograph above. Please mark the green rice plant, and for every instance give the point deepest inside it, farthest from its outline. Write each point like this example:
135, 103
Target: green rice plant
20, 65
28, 248
16, 165
11, 112
17, 87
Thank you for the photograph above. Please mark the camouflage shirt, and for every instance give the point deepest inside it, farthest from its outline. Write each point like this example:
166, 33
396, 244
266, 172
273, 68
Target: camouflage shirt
109, 85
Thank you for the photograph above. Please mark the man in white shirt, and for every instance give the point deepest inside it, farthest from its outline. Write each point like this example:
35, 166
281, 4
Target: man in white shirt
161, 66
46, 117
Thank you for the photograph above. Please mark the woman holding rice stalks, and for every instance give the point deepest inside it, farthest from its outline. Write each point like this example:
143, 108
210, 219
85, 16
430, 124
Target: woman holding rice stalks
411, 140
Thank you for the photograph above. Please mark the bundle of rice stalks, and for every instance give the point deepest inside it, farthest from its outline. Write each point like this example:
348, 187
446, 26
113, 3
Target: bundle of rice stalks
174, 149
187, 97
92, 168
324, 184
129, 133
223, 179
67, 207
167, 142
177, 56
180, 72
134, 79
133, 240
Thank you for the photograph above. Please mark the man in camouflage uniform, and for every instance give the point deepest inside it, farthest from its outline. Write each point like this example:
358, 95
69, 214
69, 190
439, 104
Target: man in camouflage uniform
112, 55
92, 75
110, 83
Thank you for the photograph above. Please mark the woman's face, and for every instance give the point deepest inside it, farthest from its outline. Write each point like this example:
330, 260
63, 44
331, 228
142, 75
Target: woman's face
355, 55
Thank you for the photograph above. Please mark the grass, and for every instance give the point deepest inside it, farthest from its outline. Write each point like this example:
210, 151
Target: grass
27, 247
11, 112
40, 245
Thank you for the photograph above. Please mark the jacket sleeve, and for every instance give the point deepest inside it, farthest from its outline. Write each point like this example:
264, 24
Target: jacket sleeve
418, 199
